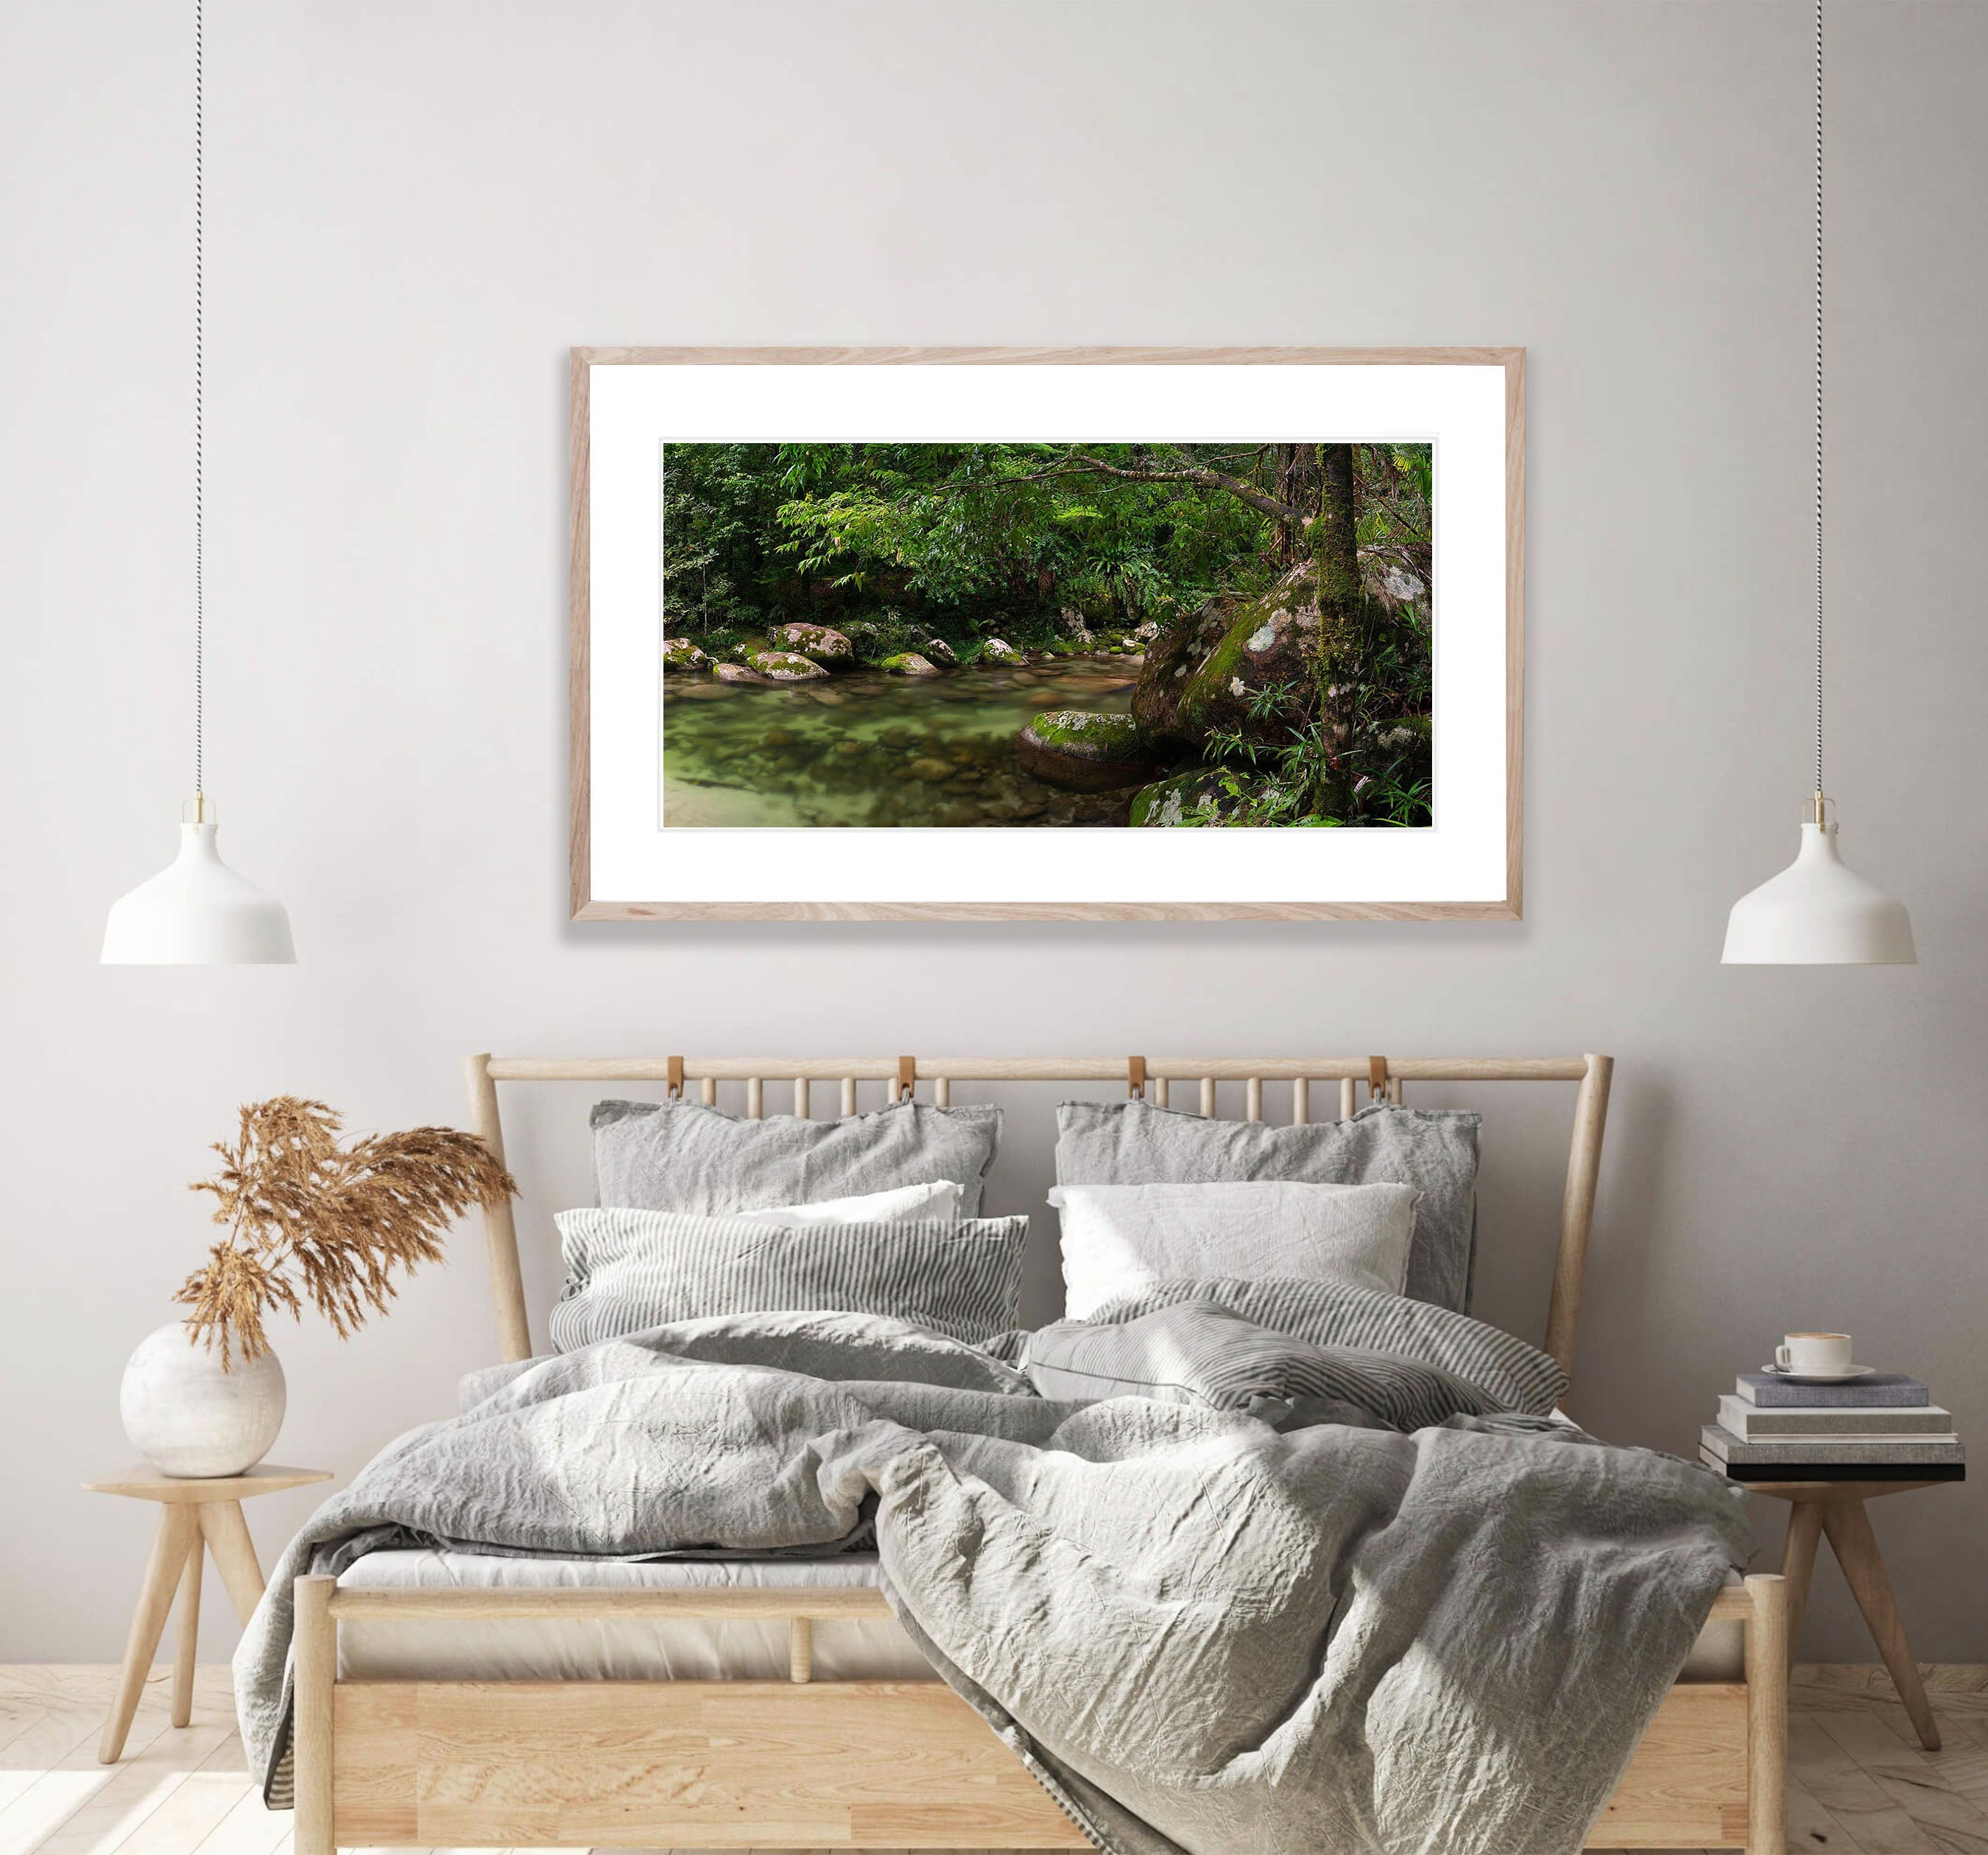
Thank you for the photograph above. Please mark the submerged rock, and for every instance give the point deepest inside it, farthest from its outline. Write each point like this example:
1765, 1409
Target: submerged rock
829, 649
784, 666
679, 654
1086, 752
907, 663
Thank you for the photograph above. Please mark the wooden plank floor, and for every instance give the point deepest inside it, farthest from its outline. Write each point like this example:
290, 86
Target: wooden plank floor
1859, 1785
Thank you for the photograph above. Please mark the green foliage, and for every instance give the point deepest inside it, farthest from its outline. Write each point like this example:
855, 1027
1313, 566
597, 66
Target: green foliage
895, 545
969, 540
720, 503
987, 532
1382, 777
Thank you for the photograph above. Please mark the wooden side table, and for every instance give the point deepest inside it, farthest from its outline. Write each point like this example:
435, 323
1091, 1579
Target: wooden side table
195, 1517
1834, 1510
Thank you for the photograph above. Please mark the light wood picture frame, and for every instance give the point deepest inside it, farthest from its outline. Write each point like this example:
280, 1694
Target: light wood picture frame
1466, 405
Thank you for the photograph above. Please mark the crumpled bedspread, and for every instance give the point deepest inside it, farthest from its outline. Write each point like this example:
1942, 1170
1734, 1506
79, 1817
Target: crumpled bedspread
1200, 1633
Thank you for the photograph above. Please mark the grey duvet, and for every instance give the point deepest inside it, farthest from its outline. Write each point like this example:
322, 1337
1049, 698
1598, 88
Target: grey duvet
1199, 1631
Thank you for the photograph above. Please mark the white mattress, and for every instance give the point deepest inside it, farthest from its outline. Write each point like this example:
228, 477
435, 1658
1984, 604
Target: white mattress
621, 1648
629, 1649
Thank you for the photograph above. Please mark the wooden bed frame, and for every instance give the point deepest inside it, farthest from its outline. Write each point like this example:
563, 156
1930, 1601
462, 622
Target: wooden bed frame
674, 1764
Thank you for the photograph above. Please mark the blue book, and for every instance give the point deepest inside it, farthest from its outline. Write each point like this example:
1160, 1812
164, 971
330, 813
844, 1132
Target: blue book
1880, 1391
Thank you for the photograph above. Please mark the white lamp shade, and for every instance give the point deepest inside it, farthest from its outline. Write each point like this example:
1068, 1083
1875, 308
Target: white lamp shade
198, 912
1819, 912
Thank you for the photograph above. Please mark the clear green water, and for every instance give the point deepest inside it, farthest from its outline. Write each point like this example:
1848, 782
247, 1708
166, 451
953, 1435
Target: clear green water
870, 749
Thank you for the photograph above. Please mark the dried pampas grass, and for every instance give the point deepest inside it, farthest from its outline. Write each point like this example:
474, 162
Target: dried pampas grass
308, 1218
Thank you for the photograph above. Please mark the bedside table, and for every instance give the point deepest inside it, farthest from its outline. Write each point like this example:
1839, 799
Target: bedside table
1835, 1510
195, 1517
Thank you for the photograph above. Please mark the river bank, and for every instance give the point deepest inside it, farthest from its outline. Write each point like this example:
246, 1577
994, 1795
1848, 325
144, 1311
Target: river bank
869, 749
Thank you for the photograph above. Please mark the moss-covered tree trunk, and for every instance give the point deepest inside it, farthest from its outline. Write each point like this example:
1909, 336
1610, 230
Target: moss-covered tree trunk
1334, 545
1335, 551
1297, 489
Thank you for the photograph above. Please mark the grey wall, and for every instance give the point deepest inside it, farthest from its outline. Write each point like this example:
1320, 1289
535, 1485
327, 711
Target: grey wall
414, 208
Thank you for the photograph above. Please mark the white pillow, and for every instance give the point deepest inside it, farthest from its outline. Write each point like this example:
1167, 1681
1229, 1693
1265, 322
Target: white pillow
937, 1201
1117, 1239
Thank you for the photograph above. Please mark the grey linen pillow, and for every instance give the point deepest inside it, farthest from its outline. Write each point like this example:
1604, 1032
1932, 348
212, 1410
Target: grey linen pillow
1133, 1142
628, 1270
1511, 1375
682, 1156
1197, 1352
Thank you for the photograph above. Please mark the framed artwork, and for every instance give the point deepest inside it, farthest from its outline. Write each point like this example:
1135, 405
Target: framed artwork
1084, 633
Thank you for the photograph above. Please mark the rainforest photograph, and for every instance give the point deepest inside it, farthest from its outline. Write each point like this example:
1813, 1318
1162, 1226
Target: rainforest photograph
952, 636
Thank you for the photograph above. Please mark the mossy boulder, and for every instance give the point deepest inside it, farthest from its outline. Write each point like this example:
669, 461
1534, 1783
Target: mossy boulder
1169, 801
1083, 751
1157, 694
832, 650
1399, 591
1404, 731
1264, 650
1214, 669
937, 650
681, 655
908, 663
736, 673
784, 666
999, 650
1207, 795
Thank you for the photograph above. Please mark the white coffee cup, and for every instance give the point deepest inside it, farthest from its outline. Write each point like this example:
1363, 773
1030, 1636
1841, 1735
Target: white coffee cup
1815, 1353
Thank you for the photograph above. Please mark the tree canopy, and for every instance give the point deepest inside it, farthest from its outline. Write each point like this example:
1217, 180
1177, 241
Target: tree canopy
970, 538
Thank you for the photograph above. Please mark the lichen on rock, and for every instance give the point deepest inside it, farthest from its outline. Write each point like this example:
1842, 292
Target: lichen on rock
784, 666
1084, 752
908, 663
1255, 676
831, 648
681, 655
1167, 802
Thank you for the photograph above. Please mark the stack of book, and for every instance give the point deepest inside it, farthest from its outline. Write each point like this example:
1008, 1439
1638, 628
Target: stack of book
1882, 1428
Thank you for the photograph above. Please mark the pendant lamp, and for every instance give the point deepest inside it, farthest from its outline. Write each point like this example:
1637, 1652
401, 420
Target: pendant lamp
1819, 911
196, 911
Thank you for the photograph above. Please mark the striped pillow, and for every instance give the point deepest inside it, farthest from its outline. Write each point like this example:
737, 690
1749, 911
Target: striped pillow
1195, 1353
1515, 1376
627, 1270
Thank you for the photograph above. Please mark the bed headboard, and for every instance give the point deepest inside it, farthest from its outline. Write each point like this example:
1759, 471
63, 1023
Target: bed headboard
1151, 1077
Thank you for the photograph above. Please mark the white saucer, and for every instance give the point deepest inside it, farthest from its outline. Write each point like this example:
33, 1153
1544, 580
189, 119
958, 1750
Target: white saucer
1819, 1378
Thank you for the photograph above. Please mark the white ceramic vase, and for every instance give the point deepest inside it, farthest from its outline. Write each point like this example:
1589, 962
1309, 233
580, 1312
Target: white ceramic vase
188, 1417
